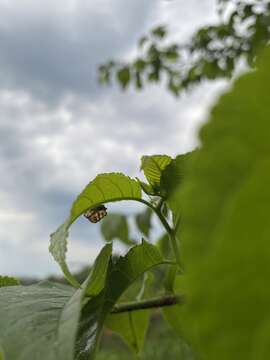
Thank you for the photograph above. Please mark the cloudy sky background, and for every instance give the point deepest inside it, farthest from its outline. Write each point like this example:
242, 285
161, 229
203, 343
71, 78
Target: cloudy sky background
59, 128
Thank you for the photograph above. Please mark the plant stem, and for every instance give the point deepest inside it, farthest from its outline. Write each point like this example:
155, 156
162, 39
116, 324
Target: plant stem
169, 231
167, 300
158, 213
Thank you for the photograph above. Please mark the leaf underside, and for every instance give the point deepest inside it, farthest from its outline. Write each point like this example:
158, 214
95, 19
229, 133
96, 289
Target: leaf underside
40, 322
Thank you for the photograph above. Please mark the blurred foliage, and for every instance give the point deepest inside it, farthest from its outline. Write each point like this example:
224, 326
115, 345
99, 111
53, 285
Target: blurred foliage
213, 51
8, 281
115, 226
226, 230
143, 221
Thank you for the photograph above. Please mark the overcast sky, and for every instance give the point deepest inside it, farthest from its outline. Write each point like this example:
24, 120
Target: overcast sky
59, 128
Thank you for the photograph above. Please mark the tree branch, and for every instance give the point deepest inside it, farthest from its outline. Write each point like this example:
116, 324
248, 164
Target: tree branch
167, 300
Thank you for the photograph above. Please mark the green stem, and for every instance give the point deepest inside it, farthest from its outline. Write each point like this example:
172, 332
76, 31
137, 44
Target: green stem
169, 231
167, 300
158, 213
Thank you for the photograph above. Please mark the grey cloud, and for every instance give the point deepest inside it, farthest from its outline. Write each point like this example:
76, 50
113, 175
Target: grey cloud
49, 153
52, 54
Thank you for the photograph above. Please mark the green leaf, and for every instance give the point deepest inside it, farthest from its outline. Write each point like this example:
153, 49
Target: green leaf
153, 166
120, 276
58, 249
226, 229
115, 226
8, 281
123, 76
143, 221
97, 276
41, 321
172, 53
103, 189
29, 329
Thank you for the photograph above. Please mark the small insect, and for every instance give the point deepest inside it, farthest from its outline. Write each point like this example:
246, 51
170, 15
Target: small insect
96, 214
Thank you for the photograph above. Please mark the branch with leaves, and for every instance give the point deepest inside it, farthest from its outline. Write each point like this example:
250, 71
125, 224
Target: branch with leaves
213, 52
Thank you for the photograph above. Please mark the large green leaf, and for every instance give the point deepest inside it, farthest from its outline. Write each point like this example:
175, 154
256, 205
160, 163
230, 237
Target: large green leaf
31, 319
41, 321
120, 276
153, 166
115, 226
103, 189
226, 230
8, 281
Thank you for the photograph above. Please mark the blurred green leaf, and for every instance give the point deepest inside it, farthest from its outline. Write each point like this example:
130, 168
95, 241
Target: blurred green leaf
159, 32
123, 76
143, 221
139, 64
212, 52
172, 53
142, 41
120, 276
8, 281
225, 236
115, 226
104, 188
163, 245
